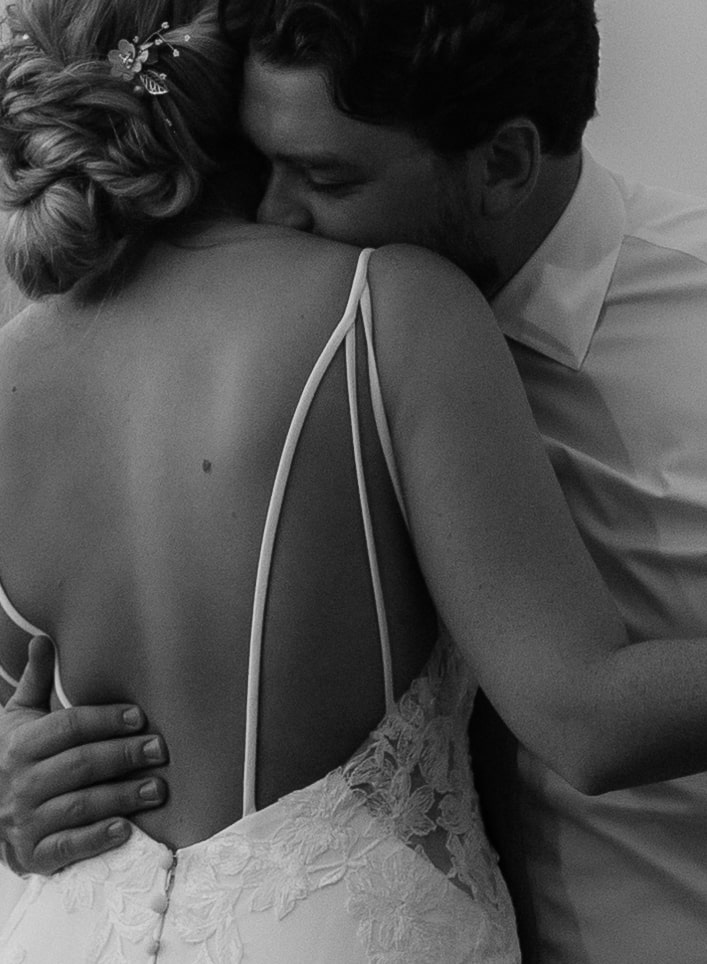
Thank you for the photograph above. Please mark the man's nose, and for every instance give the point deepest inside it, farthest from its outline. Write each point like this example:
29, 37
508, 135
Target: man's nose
281, 205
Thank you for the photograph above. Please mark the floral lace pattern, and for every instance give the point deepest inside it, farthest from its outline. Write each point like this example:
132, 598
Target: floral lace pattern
124, 883
414, 776
116, 890
389, 850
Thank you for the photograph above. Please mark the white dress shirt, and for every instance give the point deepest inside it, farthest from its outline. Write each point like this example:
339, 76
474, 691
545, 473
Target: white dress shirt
608, 326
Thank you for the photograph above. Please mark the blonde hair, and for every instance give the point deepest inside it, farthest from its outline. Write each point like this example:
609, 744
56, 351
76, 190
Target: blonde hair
88, 165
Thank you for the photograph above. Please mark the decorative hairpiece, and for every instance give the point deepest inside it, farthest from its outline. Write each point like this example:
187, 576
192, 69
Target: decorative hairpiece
134, 62
21, 39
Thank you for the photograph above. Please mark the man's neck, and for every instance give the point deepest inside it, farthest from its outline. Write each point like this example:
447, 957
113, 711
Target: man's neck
519, 235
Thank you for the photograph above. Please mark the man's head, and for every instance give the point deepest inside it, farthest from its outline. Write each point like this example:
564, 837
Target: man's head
416, 120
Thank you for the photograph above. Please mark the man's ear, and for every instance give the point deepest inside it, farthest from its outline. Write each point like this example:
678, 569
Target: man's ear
512, 164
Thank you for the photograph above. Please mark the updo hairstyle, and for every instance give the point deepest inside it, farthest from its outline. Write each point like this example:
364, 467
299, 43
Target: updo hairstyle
91, 162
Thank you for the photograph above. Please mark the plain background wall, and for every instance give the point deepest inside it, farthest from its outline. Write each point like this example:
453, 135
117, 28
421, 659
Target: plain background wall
652, 123
653, 116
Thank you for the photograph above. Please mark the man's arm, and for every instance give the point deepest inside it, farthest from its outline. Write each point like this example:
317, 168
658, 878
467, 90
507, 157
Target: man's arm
67, 778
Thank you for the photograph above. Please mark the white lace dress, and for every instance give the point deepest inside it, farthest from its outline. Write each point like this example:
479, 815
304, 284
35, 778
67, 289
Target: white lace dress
384, 861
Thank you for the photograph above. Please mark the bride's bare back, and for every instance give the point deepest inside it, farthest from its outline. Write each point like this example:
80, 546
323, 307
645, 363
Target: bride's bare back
136, 524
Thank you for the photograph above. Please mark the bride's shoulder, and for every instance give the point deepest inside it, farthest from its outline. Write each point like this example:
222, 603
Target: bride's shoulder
231, 255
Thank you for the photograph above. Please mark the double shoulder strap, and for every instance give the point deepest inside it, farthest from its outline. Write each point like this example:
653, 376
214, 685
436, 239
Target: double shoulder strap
345, 332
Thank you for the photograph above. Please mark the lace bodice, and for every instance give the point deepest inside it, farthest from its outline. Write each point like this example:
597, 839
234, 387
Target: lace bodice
390, 848
414, 776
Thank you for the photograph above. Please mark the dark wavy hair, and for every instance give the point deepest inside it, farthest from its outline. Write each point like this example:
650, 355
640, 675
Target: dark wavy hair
89, 166
451, 71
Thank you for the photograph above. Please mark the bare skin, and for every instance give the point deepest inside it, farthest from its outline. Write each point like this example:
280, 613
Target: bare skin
194, 688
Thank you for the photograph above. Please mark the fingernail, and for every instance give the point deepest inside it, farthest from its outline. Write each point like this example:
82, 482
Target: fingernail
132, 717
149, 791
152, 750
118, 831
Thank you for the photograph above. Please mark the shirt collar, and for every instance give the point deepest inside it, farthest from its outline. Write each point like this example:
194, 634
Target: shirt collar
553, 303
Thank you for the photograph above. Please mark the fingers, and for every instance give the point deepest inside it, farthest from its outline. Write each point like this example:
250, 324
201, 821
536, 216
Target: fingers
87, 807
59, 795
61, 730
86, 823
59, 850
79, 824
35, 686
95, 763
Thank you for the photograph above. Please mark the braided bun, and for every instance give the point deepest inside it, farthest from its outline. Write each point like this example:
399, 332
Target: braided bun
89, 166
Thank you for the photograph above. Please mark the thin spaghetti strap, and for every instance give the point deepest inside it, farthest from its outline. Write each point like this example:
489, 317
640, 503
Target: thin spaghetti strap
271, 524
381, 615
19, 620
8, 679
377, 401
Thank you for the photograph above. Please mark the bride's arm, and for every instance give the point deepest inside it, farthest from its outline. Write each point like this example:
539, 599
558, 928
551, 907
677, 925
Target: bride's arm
507, 569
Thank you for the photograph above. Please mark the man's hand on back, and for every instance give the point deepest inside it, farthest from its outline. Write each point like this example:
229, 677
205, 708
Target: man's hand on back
67, 778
